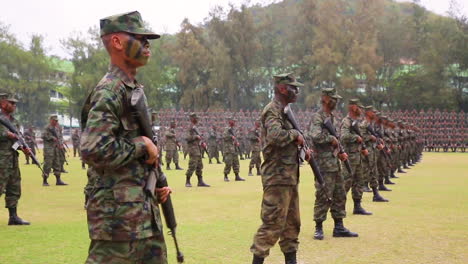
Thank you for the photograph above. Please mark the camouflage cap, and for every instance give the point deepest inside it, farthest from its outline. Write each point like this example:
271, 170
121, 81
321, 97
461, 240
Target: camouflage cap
3, 96
287, 78
11, 98
355, 101
369, 108
384, 117
233, 118
53, 117
130, 22
331, 92
193, 115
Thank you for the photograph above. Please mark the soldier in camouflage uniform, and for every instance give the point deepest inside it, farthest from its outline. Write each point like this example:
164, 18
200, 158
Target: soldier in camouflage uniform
231, 153
280, 176
124, 220
76, 143
171, 145
10, 176
352, 144
195, 146
213, 149
30, 138
328, 159
255, 143
53, 151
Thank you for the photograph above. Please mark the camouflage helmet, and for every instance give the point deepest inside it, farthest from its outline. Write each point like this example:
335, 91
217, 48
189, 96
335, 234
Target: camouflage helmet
287, 78
130, 22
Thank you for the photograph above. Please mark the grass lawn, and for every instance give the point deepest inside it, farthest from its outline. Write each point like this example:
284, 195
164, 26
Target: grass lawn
426, 220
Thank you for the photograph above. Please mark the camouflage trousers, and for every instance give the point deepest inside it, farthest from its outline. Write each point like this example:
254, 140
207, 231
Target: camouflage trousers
33, 151
280, 220
369, 169
334, 184
172, 155
213, 151
195, 165
150, 250
256, 160
10, 185
52, 161
231, 160
382, 166
76, 150
354, 181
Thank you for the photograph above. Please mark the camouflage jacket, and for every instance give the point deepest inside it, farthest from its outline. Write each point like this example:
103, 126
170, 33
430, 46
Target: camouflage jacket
254, 138
212, 136
118, 208
366, 135
8, 156
349, 137
228, 142
75, 139
171, 139
50, 138
30, 138
280, 153
325, 152
193, 143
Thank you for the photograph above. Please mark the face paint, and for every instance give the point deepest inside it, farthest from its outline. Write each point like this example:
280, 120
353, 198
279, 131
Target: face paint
136, 50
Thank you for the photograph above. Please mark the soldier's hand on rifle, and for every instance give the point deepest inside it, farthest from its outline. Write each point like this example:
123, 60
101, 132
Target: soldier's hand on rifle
11, 135
26, 151
198, 137
373, 138
365, 152
152, 151
300, 140
203, 145
163, 193
308, 154
343, 156
389, 151
233, 138
359, 139
334, 142
379, 146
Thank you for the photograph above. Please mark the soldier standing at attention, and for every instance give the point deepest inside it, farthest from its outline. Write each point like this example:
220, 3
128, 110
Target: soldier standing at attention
30, 138
213, 148
76, 143
280, 175
255, 143
53, 151
10, 176
352, 143
231, 153
124, 221
171, 147
195, 150
328, 160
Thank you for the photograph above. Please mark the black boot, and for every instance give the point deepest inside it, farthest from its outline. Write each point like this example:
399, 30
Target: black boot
400, 170
366, 187
250, 172
201, 183
238, 178
290, 258
318, 235
218, 162
406, 166
258, 172
257, 260
341, 231
210, 162
44, 180
377, 197
393, 175
382, 187
177, 167
59, 181
226, 179
387, 180
14, 218
358, 208
187, 181
168, 167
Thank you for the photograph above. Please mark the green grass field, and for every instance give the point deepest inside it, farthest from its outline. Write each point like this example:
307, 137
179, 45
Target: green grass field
426, 220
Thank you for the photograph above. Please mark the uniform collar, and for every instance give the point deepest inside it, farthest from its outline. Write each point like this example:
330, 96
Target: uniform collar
119, 73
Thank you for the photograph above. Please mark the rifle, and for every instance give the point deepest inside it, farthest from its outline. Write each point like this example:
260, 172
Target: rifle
202, 143
156, 177
355, 129
312, 162
379, 136
62, 144
21, 143
236, 143
331, 129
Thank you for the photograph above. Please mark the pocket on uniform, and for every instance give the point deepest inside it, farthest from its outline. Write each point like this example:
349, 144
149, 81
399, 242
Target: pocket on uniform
129, 194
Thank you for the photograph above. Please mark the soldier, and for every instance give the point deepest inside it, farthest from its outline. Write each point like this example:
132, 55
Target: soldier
328, 160
53, 151
30, 138
255, 143
213, 149
280, 176
231, 151
10, 176
352, 144
124, 221
76, 143
171, 145
195, 148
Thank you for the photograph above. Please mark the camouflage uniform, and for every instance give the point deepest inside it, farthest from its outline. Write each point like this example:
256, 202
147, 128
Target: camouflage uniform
280, 177
195, 159
52, 153
231, 155
30, 139
171, 148
254, 138
10, 176
124, 221
213, 149
76, 144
